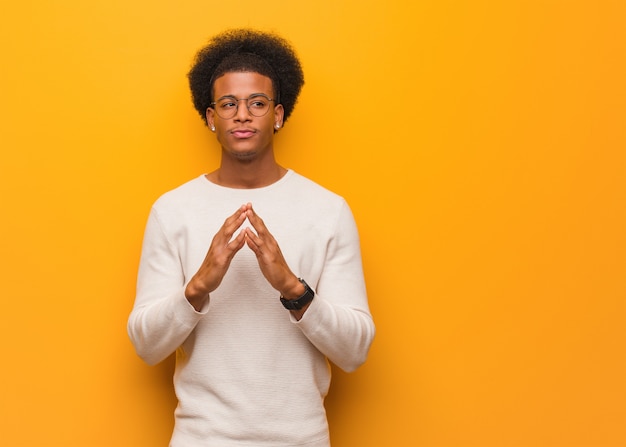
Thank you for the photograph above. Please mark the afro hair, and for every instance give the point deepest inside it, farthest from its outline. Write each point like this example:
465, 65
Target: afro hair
246, 50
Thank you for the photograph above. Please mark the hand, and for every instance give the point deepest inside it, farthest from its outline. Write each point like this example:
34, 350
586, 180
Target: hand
217, 260
271, 260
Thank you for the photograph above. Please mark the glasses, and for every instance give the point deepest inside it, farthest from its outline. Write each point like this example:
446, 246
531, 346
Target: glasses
227, 106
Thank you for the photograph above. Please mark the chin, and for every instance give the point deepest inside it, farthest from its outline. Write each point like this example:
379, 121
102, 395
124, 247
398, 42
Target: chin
244, 156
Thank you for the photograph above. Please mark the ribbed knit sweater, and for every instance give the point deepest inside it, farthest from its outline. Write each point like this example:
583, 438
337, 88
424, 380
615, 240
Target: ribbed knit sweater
247, 373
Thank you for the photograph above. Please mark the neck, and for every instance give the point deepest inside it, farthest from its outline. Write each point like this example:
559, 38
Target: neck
244, 174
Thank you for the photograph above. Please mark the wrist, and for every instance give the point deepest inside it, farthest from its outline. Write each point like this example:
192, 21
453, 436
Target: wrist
196, 297
293, 290
301, 302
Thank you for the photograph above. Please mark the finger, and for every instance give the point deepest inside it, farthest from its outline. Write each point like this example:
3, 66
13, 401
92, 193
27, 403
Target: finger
239, 214
256, 221
234, 221
253, 241
237, 243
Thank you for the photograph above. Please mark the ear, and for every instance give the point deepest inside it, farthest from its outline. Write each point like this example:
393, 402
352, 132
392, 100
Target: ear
279, 113
210, 118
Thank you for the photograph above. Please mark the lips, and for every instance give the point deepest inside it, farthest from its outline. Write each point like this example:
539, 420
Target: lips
243, 133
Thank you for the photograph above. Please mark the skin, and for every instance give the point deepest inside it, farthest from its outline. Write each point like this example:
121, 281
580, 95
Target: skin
247, 162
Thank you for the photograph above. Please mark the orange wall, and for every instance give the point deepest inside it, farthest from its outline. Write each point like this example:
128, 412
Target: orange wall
482, 146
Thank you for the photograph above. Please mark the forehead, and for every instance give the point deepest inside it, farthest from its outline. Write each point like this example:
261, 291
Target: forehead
242, 84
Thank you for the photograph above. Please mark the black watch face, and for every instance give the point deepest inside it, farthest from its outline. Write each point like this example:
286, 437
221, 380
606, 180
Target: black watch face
291, 304
295, 305
300, 302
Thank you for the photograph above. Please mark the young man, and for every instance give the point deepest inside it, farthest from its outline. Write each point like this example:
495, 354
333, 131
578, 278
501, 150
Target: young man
252, 273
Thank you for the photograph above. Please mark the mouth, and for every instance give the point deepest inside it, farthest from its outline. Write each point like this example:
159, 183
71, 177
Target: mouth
242, 133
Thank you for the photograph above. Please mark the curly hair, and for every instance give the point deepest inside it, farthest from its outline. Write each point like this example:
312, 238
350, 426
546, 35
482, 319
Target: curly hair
246, 50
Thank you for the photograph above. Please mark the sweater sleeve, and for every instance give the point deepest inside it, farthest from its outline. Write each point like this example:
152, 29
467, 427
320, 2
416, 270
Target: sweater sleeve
162, 318
338, 321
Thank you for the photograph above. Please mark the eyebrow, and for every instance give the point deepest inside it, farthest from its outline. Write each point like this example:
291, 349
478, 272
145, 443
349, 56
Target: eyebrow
252, 95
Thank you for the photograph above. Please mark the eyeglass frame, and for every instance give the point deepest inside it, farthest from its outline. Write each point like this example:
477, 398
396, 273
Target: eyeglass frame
254, 95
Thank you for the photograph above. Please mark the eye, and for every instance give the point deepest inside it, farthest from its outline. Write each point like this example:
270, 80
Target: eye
227, 104
257, 103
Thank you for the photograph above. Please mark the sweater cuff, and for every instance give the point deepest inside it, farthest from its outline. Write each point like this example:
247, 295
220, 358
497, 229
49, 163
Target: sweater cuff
186, 312
309, 316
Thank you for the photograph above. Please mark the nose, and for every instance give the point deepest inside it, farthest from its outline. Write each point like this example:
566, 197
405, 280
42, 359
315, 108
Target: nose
243, 114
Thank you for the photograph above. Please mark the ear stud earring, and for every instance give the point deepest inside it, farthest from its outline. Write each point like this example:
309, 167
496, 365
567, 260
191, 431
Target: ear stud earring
212, 128
277, 126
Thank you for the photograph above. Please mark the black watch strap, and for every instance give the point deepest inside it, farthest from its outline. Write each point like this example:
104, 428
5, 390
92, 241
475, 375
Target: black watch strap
302, 300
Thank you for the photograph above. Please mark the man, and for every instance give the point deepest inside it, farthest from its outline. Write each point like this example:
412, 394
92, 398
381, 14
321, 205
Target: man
251, 273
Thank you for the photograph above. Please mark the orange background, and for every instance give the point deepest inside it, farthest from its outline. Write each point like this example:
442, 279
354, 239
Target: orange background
481, 145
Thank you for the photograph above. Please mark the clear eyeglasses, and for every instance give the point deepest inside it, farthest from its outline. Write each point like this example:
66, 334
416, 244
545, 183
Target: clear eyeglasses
227, 106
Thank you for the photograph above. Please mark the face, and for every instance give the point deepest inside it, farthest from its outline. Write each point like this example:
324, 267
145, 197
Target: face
245, 136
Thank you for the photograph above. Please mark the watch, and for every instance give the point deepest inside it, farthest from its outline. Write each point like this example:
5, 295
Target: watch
302, 300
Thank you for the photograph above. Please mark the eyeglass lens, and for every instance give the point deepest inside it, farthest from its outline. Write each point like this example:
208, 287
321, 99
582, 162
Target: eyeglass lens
257, 105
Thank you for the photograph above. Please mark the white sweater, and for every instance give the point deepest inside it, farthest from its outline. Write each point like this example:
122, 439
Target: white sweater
247, 373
